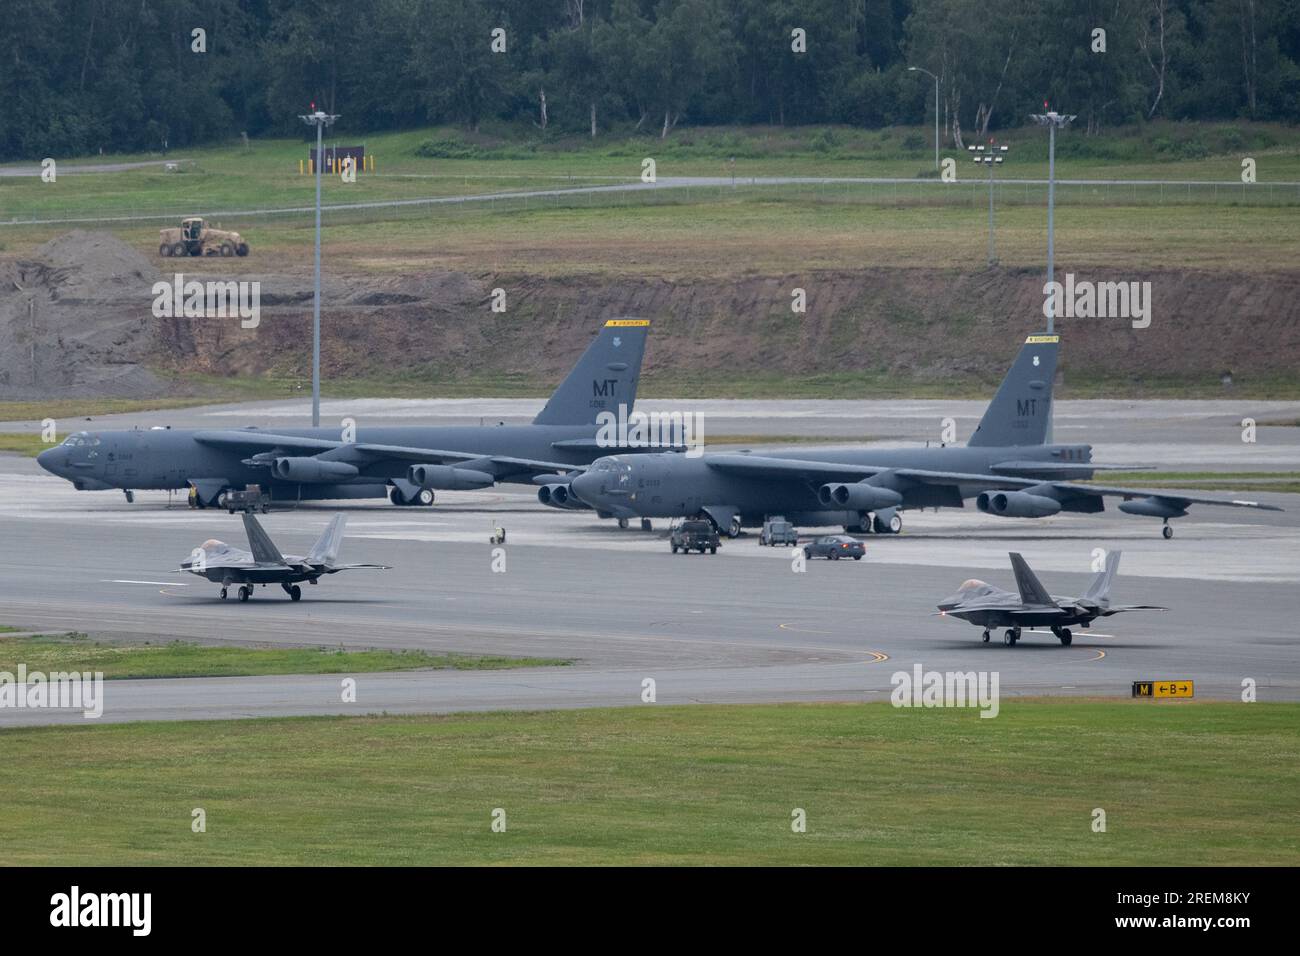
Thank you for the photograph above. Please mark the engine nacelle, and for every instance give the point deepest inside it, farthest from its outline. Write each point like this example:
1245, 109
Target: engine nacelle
1153, 508
311, 470
859, 497
449, 477
559, 496
1017, 504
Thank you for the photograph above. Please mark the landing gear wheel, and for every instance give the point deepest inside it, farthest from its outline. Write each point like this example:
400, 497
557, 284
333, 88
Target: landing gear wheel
1011, 636
396, 497
986, 637
245, 593
223, 594
1167, 531
645, 525
733, 529
1065, 636
896, 524
425, 497
130, 496
295, 593
622, 523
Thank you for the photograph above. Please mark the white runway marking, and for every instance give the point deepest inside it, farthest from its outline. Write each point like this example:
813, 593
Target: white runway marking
179, 584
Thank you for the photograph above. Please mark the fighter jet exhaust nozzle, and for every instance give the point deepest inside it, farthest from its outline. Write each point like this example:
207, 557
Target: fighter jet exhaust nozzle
559, 496
859, 497
1016, 504
449, 478
313, 470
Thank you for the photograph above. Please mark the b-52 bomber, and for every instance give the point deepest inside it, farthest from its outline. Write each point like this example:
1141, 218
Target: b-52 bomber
1009, 466
989, 607
405, 463
264, 564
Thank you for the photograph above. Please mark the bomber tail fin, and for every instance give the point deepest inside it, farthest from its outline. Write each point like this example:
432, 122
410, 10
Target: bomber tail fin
1021, 411
1031, 589
605, 377
326, 548
263, 548
1099, 590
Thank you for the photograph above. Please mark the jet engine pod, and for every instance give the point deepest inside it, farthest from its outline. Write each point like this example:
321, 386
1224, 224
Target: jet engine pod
1153, 508
312, 470
1016, 504
859, 497
559, 496
448, 477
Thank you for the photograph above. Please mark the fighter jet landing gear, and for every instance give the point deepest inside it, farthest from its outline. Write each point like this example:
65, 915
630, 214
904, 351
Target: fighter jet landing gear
1063, 635
294, 592
1011, 636
245, 592
223, 594
130, 496
1167, 530
986, 635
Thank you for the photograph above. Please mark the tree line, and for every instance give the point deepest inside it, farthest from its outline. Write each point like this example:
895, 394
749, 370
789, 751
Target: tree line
83, 76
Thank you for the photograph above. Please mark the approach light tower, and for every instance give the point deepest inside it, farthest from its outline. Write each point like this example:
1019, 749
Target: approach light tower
992, 157
320, 120
917, 69
1053, 121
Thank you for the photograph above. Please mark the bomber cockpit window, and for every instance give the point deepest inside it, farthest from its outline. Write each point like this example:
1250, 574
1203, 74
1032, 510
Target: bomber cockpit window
80, 438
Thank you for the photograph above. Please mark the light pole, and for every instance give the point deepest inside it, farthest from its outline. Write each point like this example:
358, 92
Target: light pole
1053, 121
990, 156
320, 120
917, 69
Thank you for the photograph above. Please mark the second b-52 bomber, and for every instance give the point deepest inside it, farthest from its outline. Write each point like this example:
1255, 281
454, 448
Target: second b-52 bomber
264, 564
990, 607
1008, 467
407, 463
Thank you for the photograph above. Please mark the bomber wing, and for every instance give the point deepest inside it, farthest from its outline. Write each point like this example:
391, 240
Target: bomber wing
362, 454
758, 466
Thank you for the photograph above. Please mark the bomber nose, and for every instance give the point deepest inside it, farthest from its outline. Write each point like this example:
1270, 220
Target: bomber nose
47, 459
586, 486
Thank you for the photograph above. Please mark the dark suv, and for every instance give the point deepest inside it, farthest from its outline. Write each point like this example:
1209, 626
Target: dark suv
694, 535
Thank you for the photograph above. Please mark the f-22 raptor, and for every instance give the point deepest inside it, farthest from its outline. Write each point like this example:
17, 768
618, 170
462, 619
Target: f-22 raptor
264, 564
989, 607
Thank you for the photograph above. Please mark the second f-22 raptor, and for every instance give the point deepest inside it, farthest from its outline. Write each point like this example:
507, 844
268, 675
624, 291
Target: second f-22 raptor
264, 564
990, 607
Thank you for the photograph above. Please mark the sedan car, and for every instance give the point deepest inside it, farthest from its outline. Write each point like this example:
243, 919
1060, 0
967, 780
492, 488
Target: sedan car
835, 546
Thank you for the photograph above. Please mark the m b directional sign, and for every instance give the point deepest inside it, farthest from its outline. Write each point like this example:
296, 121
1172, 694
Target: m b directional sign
1162, 688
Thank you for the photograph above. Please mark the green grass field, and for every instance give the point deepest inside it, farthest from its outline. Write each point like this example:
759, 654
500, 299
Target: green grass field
1276, 481
122, 660
1189, 784
265, 173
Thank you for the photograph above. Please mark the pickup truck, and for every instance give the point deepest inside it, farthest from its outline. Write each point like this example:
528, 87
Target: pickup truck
694, 535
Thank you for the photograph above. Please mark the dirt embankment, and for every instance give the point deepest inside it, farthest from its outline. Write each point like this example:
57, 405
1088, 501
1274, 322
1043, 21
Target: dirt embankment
76, 320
